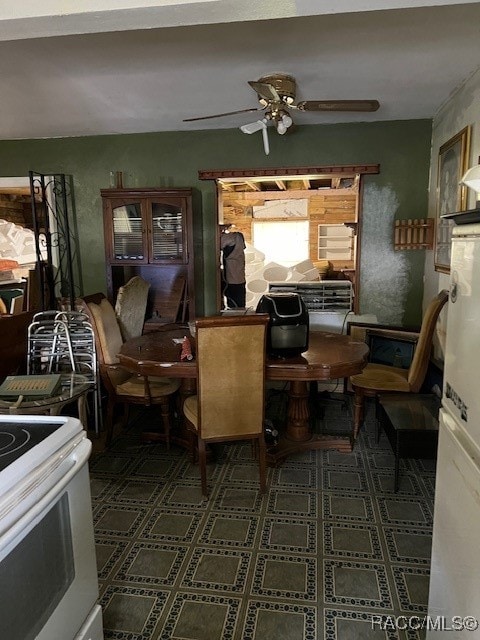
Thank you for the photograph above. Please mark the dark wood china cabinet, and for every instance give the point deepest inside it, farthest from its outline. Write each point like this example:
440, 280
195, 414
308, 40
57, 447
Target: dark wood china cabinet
148, 232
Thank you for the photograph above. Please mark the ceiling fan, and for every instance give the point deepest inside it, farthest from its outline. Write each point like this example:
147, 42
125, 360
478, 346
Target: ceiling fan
277, 96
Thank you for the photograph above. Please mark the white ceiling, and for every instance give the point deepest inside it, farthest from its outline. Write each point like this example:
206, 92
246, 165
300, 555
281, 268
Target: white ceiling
121, 70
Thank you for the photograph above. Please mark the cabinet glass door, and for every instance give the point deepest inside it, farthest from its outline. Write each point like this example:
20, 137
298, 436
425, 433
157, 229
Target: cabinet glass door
167, 232
128, 232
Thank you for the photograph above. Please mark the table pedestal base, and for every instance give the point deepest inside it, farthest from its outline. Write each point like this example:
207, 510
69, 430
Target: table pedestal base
298, 436
286, 447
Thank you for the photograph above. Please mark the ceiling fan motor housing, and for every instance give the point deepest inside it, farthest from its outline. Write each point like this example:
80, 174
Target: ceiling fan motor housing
284, 84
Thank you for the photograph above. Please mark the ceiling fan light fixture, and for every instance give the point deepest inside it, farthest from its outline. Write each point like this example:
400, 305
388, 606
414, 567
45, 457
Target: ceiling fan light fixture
471, 179
253, 127
287, 120
281, 127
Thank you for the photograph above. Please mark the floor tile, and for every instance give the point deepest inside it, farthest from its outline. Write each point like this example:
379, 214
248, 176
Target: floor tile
108, 553
131, 613
341, 624
344, 506
136, 492
351, 540
111, 463
118, 520
291, 502
384, 482
413, 546
351, 480
412, 588
100, 487
279, 621
406, 511
230, 530
238, 498
287, 577
289, 535
157, 468
294, 477
184, 495
217, 570
356, 583
151, 564
338, 460
171, 525
201, 617
243, 473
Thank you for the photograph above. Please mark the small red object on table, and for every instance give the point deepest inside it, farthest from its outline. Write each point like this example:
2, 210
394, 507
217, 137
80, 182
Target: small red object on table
186, 353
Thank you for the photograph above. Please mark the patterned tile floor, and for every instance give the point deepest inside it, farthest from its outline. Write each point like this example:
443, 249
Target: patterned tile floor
329, 552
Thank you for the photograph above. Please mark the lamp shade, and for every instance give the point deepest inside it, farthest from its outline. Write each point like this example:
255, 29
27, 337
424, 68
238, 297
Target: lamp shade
471, 178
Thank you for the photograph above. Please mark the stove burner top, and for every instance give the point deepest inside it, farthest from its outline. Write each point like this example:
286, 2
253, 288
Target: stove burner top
18, 438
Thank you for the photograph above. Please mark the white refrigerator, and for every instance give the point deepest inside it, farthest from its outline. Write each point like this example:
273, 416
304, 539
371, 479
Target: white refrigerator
454, 598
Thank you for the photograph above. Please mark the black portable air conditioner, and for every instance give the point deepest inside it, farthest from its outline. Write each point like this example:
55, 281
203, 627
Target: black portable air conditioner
287, 333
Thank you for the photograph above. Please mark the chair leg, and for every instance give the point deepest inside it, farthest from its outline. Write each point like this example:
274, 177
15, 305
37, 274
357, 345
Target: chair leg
109, 421
192, 449
359, 408
202, 461
262, 462
165, 413
378, 426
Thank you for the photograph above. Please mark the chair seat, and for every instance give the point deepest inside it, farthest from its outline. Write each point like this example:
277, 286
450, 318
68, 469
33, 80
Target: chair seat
190, 410
380, 377
159, 387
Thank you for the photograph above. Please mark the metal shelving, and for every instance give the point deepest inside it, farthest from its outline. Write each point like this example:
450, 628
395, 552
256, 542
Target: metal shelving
321, 296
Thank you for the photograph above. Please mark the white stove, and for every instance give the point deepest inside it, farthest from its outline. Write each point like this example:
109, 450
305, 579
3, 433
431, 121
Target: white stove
48, 577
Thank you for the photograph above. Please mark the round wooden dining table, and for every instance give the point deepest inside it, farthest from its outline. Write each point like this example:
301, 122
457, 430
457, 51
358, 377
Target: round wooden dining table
329, 356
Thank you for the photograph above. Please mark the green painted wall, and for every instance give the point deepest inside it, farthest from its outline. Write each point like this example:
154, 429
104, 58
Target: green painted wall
173, 159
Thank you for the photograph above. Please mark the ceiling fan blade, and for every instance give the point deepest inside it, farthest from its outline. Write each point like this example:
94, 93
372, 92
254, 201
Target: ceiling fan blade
338, 105
265, 90
220, 115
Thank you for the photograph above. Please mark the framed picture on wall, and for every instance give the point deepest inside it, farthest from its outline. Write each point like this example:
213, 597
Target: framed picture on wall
451, 195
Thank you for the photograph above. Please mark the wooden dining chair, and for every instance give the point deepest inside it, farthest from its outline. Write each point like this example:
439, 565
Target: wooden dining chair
122, 386
130, 307
229, 405
381, 378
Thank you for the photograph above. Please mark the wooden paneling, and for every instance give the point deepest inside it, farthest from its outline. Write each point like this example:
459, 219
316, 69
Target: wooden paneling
332, 206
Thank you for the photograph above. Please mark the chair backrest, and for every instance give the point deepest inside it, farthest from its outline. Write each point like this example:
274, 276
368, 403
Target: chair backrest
108, 337
418, 368
231, 375
131, 305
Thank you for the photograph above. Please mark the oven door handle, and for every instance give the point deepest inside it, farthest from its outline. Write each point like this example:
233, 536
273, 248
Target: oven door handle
43, 497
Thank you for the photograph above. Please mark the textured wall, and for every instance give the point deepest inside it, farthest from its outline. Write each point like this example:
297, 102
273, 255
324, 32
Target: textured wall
461, 110
174, 158
384, 276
